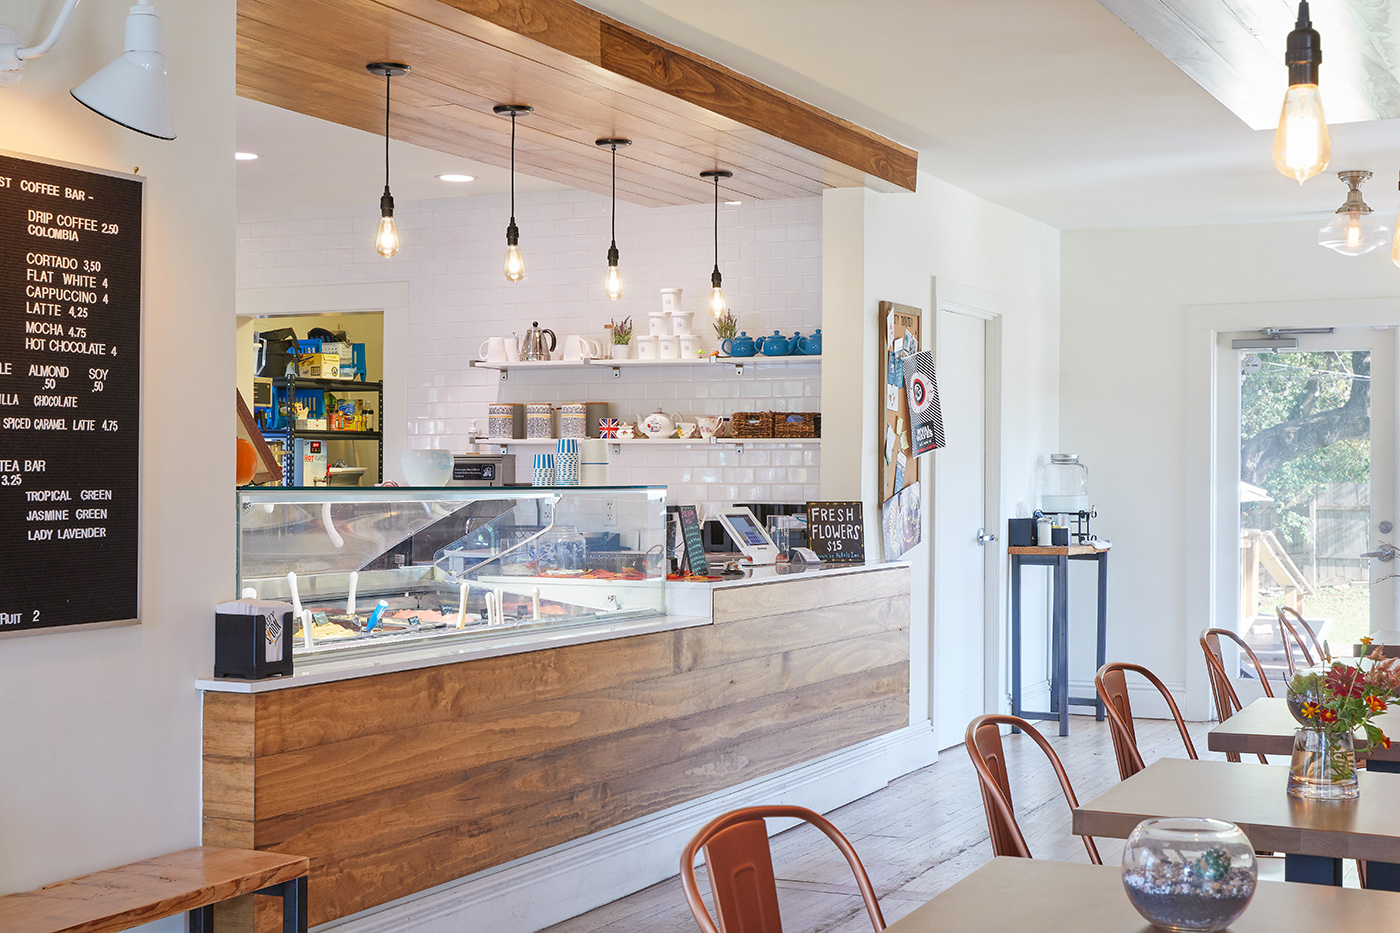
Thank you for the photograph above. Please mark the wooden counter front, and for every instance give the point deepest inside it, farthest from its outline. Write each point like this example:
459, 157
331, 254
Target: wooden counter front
395, 783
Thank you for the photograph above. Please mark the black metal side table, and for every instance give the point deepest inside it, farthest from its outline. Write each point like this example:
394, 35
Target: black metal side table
1057, 558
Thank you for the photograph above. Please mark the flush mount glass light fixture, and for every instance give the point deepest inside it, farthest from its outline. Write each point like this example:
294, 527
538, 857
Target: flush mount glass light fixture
245, 156
1355, 229
386, 238
514, 266
1302, 147
456, 178
612, 284
133, 90
717, 304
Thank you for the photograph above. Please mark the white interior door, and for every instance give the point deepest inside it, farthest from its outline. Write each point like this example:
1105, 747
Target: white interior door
960, 561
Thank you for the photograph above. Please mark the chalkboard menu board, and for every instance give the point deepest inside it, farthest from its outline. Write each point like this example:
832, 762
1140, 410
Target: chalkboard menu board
836, 531
694, 545
70, 394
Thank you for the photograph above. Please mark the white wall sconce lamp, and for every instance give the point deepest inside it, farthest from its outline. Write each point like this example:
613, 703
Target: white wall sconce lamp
133, 90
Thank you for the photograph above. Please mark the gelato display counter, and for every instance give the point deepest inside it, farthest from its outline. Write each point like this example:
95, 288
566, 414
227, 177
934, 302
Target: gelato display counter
378, 569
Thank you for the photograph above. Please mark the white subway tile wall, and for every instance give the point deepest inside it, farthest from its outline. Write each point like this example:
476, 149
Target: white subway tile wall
769, 252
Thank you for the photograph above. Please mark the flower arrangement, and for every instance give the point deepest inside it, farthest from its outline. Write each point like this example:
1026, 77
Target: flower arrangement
1331, 702
1345, 697
622, 331
726, 326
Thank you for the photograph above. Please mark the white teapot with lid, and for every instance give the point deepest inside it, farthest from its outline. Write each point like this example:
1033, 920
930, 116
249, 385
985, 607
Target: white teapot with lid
657, 424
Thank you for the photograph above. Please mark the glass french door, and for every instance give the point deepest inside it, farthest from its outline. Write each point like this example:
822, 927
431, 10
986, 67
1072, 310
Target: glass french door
1316, 503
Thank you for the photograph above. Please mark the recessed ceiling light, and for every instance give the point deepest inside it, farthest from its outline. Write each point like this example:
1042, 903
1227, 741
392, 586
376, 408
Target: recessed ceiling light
733, 203
245, 156
456, 178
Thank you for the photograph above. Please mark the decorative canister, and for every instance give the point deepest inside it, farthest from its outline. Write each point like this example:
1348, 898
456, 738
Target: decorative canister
566, 463
595, 413
668, 347
544, 470
680, 322
539, 420
658, 323
505, 420
573, 419
670, 300
1189, 873
608, 427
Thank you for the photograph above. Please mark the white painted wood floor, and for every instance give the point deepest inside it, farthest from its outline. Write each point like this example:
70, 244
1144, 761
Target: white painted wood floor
917, 836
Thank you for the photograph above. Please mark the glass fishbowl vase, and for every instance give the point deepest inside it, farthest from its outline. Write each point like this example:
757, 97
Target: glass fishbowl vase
1189, 873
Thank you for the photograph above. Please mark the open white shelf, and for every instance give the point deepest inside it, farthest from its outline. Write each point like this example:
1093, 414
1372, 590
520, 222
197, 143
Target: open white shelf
738, 363
739, 442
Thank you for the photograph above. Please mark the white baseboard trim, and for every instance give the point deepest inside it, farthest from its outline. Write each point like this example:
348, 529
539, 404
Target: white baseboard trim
548, 887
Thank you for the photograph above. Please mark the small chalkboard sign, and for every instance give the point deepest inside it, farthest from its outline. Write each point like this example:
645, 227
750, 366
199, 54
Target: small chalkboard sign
694, 546
836, 531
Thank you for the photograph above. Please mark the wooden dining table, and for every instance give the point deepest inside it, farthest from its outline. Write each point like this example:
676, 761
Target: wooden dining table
1314, 835
1266, 727
1035, 896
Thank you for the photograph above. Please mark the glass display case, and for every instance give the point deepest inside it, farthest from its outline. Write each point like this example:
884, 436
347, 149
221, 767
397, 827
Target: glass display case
386, 566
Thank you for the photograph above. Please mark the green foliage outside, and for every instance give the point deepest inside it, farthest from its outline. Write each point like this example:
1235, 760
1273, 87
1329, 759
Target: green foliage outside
1287, 387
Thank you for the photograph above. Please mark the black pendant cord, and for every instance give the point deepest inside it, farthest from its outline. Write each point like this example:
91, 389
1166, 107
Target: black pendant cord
512, 168
716, 225
614, 196
387, 82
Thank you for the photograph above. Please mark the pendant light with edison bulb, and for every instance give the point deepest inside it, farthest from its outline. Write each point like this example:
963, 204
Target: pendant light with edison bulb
1302, 146
717, 303
612, 283
514, 265
386, 238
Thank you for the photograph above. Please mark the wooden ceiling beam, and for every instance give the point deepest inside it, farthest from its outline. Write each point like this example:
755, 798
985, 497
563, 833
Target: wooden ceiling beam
586, 75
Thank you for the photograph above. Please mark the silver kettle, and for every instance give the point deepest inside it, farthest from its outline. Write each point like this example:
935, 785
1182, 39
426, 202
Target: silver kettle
532, 344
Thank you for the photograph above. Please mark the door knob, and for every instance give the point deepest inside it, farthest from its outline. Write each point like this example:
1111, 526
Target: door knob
1385, 552
984, 537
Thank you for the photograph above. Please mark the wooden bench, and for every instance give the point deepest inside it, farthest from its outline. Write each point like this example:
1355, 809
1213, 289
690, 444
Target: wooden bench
192, 882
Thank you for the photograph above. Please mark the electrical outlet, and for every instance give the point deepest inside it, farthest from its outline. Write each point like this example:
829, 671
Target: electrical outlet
609, 512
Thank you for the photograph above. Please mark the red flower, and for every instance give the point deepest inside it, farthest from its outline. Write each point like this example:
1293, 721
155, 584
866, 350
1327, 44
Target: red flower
1329, 716
1375, 704
1310, 710
1344, 681
1366, 640
1385, 741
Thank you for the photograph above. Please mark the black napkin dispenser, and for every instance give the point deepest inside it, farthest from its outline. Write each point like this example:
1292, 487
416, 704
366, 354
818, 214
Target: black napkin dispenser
253, 646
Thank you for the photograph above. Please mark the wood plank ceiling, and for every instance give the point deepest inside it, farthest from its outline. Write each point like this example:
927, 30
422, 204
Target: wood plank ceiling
587, 77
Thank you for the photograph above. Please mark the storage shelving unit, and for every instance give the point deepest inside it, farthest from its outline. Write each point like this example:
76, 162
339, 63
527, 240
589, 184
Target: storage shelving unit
289, 435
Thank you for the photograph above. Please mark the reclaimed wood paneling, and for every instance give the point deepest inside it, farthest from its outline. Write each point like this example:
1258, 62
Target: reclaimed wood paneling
395, 783
586, 75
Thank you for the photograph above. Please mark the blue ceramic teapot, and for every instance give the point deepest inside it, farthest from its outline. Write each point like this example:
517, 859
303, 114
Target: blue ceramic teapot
742, 345
774, 344
811, 345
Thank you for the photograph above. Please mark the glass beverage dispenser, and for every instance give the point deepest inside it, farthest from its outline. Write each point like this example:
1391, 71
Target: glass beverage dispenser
1063, 491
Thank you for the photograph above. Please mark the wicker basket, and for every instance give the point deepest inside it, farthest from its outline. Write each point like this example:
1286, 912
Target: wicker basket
751, 424
794, 424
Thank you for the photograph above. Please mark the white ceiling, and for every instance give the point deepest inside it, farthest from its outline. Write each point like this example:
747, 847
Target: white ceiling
1054, 108
305, 162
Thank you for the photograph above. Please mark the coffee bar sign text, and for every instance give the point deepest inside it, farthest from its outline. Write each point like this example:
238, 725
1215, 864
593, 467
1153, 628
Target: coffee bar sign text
70, 394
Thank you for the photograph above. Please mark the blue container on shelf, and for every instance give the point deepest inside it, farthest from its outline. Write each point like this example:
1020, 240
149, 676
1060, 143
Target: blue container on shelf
810, 345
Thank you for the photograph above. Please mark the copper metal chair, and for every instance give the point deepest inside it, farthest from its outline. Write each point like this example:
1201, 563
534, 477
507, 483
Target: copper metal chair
1227, 702
984, 747
1289, 622
740, 866
1112, 687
